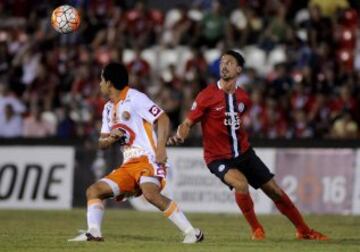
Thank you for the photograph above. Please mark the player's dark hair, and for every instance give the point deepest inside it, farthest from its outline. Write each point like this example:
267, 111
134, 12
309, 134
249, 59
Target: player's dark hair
239, 58
117, 74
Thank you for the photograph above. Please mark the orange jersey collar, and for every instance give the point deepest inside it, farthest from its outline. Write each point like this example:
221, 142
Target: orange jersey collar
123, 94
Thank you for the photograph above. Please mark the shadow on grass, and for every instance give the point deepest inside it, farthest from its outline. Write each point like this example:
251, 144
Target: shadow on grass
137, 238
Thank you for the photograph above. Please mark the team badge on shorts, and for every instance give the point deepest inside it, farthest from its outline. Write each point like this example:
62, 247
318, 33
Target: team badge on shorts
221, 168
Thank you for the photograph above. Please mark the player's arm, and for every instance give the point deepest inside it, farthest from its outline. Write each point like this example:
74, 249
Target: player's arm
196, 113
106, 140
182, 132
163, 125
108, 136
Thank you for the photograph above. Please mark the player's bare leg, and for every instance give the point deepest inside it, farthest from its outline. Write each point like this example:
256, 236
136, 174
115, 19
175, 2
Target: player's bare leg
287, 208
243, 199
95, 195
152, 192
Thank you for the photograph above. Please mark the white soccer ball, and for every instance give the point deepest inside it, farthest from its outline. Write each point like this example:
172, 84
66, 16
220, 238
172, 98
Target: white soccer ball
65, 19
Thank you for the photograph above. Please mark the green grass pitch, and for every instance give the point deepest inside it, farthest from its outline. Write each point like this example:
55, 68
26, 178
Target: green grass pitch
127, 231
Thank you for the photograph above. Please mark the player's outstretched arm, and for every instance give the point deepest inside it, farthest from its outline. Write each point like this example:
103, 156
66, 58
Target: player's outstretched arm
163, 125
182, 133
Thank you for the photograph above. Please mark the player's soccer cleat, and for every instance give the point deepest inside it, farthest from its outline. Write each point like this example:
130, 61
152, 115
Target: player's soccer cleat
193, 236
86, 236
258, 235
311, 235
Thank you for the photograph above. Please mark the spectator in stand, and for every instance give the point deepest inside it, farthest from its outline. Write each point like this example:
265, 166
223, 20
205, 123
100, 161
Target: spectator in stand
283, 83
142, 25
319, 27
10, 123
273, 120
213, 27
345, 127
344, 101
66, 128
319, 115
329, 7
275, 33
178, 26
139, 72
196, 68
316, 59
300, 127
35, 126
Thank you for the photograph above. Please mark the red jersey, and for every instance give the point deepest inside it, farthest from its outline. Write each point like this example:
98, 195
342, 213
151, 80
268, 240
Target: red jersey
220, 115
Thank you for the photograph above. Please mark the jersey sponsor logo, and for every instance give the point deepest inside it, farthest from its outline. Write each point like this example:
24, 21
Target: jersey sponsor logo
219, 108
194, 105
132, 152
154, 110
221, 168
232, 119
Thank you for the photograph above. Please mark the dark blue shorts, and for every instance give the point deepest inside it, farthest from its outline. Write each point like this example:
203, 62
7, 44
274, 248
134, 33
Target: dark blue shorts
255, 171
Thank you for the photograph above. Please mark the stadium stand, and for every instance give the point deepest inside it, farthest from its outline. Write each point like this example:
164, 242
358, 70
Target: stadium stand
303, 63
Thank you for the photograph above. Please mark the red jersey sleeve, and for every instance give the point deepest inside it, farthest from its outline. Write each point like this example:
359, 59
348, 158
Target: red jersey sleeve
198, 108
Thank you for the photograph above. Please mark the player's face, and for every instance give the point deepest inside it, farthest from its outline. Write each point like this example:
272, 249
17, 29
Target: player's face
229, 69
104, 87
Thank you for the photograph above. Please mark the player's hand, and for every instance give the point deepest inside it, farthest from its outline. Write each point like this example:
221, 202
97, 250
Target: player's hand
161, 156
174, 140
117, 133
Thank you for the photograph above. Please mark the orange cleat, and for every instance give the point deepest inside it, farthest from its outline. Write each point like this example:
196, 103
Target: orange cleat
258, 235
311, 235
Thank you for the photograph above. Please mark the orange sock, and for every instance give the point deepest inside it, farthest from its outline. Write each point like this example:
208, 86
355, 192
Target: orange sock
287, 208
246, 205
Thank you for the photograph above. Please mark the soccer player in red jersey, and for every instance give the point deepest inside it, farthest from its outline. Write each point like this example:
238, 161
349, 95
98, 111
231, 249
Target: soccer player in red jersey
228, 153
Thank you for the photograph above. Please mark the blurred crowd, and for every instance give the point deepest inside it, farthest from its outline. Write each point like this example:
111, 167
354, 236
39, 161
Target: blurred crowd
302, 63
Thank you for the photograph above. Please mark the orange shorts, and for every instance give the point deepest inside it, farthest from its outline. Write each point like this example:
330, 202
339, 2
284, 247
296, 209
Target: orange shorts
127, 176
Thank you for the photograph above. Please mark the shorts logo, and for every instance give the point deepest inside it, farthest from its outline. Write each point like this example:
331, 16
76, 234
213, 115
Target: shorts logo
154, 110
221, 168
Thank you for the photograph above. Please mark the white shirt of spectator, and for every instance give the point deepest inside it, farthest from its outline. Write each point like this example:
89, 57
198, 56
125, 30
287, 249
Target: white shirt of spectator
135, 113
11, 128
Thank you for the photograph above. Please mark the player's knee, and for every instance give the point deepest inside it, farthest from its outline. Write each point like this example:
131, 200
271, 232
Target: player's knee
241, 186
92, 192
151, 196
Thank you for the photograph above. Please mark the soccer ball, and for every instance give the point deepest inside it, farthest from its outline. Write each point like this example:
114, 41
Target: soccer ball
65, 19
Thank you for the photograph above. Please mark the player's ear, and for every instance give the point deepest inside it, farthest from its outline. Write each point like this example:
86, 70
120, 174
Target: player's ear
239, 69
108, 84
